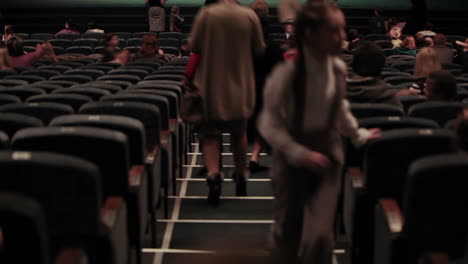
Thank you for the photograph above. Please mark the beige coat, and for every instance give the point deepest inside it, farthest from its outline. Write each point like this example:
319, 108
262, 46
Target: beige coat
227, 36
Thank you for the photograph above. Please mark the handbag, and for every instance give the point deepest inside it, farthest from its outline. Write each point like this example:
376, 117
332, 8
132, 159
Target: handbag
191, 106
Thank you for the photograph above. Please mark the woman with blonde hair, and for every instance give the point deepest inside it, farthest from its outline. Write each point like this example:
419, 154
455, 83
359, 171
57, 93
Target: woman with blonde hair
4, 64
427, 61
48, 52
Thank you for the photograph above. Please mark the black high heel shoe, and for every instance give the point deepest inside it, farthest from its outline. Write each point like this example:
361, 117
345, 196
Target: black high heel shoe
214, 189
241, 184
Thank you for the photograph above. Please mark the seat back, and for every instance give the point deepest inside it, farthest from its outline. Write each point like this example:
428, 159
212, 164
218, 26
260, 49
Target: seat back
43, 111
375, 110
73, 100
10, 123
24, 228
67, 188
146, 113
441, 112
435, 204
108, 149
388, 158
132, 128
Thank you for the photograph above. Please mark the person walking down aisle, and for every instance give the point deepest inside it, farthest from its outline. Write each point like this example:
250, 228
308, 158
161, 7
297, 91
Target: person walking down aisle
304, 115
226, 36
156, 15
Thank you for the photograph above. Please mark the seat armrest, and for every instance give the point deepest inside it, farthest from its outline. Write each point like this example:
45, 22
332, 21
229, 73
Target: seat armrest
173, 125
71, 256
165, 137
135, 175
388, 227
114, 223
357, 177
151, 156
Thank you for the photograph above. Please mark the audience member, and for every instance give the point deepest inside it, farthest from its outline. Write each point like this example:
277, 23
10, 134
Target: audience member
408, 47
463, 53
302, 118
426, 62
215, 36
176, 22
7, 32
4, 64
429, 41
48, 52
111, 47
93, 27
288, 30
291, 49
353, 39
461, 131
367, 86
184, 48
70, 27
395, 29
420, 42
444, 53
377, 22
441, 86
149, 48
262, 65
156, 15
17, 56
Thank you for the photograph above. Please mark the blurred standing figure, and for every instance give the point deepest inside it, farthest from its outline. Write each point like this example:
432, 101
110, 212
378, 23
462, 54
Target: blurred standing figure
156, 15
226, 36
377, 22
176, 22
303, 118
70, 27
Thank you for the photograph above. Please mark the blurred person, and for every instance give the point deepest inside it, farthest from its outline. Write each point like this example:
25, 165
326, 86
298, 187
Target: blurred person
48, 52
263, 65
149, 48
4, 63
226, 82
93, 27
111, 47
302, 119
353, 39
377, 22
7, 32
444, 53
367, 86
463, 53
461, 131
291, 50
17, 56
429, 41
408, 47
426, 62
395, 29
156, 15
70, 27
440, 86
176, 22
288, 30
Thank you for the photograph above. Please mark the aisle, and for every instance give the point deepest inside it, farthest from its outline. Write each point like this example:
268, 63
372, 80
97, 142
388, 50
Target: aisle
196, 230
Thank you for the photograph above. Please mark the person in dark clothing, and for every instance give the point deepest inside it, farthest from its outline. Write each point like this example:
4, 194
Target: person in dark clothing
377, 22
444, 53
367, 86
111, 42
262, 65
440, 86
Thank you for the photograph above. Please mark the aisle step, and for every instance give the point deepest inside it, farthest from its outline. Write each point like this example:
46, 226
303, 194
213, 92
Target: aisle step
199, 188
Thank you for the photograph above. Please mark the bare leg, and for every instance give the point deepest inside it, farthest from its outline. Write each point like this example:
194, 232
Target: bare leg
257, 148
210, 148
239, 149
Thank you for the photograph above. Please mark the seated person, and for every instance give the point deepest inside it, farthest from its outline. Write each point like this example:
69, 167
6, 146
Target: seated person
463, 53
288, 30
352, 39
48, 52
17, 56
184, 49
367, 86
461, 132
429, 41
395, 29
149, 48
7, 32
444, 53
111, 47
70, 27
426, 62
4, 63
440, 86
93, 27
408, 47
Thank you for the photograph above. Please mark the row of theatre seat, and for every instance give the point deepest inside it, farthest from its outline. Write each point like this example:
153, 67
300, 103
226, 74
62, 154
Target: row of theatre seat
98, 158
